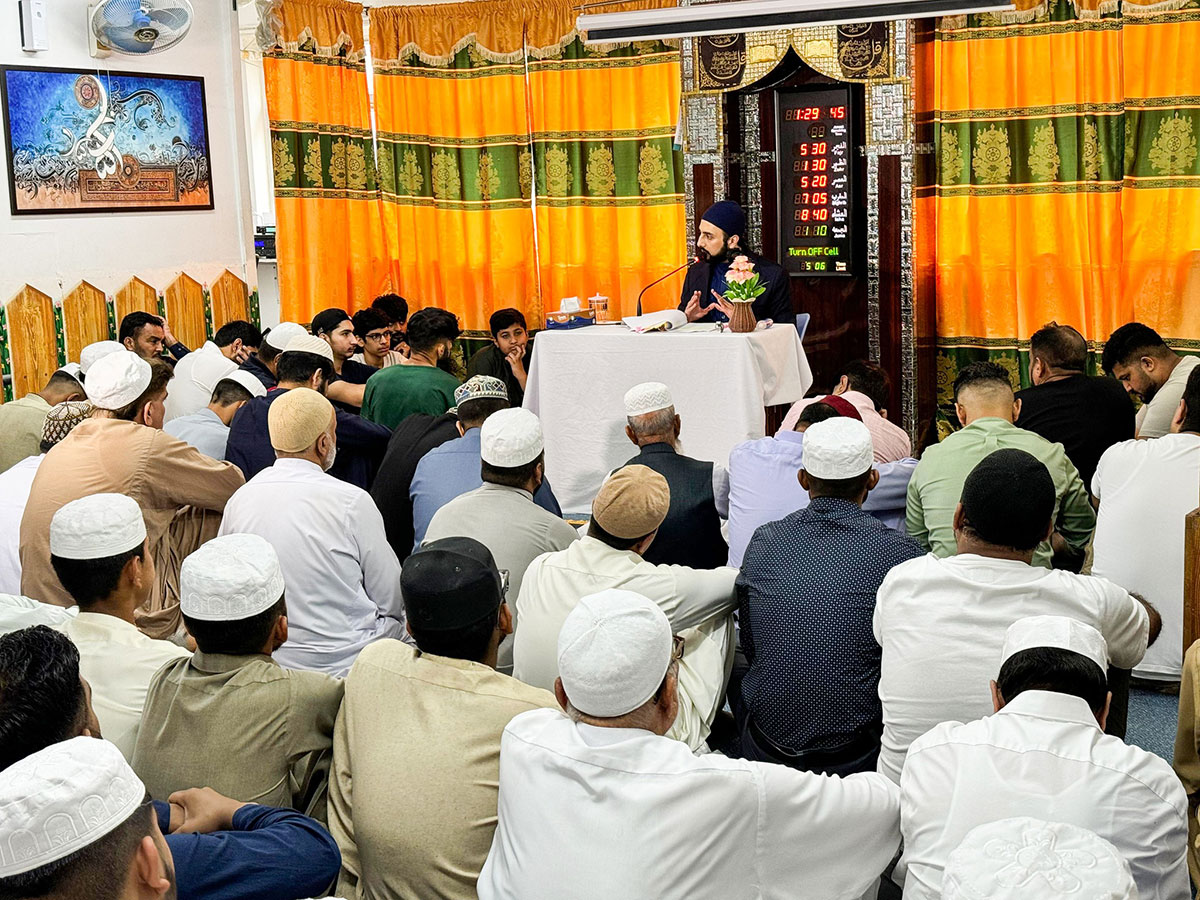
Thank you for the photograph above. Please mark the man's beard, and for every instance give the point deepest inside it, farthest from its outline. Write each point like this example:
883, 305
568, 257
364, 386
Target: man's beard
726, 254
1147, 394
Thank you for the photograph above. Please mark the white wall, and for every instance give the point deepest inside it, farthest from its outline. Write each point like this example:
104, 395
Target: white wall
53, 253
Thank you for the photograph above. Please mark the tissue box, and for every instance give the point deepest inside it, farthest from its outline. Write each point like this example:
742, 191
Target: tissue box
566, 319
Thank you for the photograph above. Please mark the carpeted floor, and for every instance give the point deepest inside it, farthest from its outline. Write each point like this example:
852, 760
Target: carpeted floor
1152, 721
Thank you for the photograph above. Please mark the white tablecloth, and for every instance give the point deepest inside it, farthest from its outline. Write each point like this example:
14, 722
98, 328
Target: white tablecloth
720, 381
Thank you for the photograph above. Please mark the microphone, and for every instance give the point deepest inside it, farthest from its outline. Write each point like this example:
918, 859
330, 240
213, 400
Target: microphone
694, 259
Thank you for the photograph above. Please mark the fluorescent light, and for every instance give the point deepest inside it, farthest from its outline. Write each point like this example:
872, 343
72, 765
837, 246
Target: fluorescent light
766, 15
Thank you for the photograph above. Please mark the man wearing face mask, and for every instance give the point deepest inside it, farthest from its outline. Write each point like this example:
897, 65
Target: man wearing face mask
424, 385
341, 577
720, 240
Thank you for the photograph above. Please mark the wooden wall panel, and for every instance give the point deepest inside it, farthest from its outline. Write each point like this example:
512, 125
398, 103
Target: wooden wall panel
185, 310
136, 295
85, 318
31, 340
230, 300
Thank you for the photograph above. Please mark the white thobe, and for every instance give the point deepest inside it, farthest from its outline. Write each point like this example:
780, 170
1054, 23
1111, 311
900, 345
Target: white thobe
697, 601
17, 612
941, 624
341, 577
196, 375
588, 812
14, 494
1042, 755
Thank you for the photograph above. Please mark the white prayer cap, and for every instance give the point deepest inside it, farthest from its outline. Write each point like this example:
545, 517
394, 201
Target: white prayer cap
307, 343
1054, 631
279, 336
510, 438
116, 380
246, 380
93, 352
837, 448
1028, 859
73, 369
61, 799
97, 526
231, 577
648, 397
613, 651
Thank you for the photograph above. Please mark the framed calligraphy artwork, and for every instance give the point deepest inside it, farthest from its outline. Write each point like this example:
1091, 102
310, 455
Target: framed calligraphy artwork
91, 141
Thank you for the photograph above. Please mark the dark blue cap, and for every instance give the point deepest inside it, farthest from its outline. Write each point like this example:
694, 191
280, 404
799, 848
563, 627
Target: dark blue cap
727, 216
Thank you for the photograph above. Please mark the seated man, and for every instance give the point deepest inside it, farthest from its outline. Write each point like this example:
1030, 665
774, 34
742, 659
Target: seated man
867, 387
15, 484
349, 378
691, 533
198, 373
940, 622
208, 429
395, 308
122, 449
374, 332
502, 514
625, 517
1087, 414
436, 713
810, 698
632, 815
149, 336
1044, 754
1187, 750
764, 484
255, 851
21, 420
306, 362
1141, 360
342, 578
983, 399
510, 355
233, 606
262, 364
423, 385
452, 469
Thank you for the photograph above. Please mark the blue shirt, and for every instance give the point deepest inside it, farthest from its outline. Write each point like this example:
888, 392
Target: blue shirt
763, 487
276, 853
204, 430
806, 601
449, 471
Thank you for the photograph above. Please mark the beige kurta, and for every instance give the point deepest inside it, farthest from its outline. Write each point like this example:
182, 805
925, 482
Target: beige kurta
21, 424
1187, 750
416, 769
241, 725
180, 490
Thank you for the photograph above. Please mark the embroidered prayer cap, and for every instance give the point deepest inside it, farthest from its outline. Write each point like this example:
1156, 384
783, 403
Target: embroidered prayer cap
647, 397
61, 799
96, 527
613, 651
116, 380
728, 216
477, 387
1061, 632
246, 380
450, 584
231, 577
632, 502
837, 449
63, 417
308, 343
843, 406
298, 418
279, 336
93, 352
510, 438
1029, 859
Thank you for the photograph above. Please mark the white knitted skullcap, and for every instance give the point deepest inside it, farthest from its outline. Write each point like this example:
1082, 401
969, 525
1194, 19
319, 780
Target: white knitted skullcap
510, 438
116, 380
648, 397
308, 343
1062, 632
246, 380
836, 449
279, 336
231, 577
93, 352
96, 527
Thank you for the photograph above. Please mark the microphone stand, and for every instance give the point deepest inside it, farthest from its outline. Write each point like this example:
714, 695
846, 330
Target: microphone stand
664, 278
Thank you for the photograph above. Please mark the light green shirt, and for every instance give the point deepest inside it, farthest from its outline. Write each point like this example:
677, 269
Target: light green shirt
21, 424
937, 483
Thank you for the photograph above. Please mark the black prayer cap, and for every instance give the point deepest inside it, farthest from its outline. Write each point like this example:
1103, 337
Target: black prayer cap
450, 584
1008, 499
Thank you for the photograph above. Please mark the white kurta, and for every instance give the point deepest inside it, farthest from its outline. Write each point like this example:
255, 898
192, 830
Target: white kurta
195, 377
697, 601
587, 812
14, 494
1043, 755
941, 624
341, 577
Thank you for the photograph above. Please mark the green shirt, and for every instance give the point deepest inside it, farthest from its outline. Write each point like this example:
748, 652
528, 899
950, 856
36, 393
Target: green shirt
397, 392
937, 483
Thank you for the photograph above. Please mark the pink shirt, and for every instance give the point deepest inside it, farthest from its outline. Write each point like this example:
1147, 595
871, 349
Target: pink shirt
890, 440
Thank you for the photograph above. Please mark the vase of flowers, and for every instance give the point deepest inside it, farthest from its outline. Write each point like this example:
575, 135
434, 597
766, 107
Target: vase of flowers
744, 288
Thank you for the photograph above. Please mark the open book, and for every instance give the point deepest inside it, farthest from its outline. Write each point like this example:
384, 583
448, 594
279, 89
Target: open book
656, 321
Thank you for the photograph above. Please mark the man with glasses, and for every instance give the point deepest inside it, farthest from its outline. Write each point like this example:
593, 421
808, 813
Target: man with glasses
434, 712
375, 330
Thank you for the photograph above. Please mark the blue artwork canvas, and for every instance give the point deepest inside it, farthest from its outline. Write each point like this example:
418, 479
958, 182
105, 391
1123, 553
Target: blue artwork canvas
96, 141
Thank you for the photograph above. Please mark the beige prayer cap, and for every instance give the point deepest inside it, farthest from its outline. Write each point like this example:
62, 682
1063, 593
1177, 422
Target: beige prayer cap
63, 417
117, 380
307, 343
298, 418
632, 503
1061, 632
97, 351
648, 397
61, 799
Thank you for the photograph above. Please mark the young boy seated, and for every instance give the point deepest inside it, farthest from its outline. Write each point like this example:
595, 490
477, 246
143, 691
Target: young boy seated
508, 357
